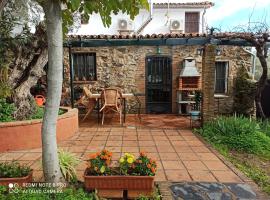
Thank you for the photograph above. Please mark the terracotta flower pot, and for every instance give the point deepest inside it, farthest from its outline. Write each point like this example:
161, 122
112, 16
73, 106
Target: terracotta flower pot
19, 180
116, 182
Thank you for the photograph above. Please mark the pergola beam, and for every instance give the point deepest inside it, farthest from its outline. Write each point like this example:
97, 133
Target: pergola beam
155, 42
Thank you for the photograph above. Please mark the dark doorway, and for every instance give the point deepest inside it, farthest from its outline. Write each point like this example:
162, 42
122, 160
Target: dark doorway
158, 84
266, 100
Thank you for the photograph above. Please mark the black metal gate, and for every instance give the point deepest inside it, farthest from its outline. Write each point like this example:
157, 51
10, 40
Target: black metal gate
158, 84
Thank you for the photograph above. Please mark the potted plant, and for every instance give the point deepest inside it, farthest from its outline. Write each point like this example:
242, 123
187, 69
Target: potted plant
195, 113
13, 172
136, 174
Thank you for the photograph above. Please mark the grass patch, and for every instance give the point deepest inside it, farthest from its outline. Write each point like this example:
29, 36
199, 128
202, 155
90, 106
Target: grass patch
245, 143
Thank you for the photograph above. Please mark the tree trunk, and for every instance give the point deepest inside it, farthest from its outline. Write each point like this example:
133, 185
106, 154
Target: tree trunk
261, 83
51, 170
22, 97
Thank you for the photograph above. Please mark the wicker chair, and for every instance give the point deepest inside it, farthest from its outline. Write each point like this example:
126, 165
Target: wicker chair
86, 101
111, 99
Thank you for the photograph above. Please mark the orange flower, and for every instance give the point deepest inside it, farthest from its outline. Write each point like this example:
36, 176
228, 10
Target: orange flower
153, 170
110, 154
107, 162
142, 154
148, 166
92, 156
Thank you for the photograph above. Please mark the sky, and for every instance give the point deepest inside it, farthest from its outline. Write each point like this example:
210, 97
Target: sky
228, 14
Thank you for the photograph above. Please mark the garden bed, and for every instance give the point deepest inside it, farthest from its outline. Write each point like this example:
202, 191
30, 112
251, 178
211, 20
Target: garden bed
20, 135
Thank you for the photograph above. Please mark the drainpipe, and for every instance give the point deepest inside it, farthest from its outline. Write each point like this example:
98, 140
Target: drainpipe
203, 20
253, 62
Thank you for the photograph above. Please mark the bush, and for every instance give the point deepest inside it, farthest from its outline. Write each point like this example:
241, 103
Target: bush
6, 111
68, 162
237, 133
40, 112
13, 170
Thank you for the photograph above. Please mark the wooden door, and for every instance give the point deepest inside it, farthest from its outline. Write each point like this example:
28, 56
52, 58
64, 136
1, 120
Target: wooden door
192, 21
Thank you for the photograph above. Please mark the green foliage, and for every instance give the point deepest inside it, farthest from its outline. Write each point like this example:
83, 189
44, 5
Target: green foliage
126, 163
68, 163
244, 93
155, 195
145, 166
104, 8
40, 112
66, 194
6, 111
237, 133
13, 169
99, 163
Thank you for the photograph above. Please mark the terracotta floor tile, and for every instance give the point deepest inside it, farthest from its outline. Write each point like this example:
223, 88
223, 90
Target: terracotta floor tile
116, 156
188, 156
100, 137
159, 165
162, 142
194, 165
171, 132
190, 138
183, 149
77, 149
114, 143
91, 148
194, 143
165, 148
129, 149
160, 176
115, 138
158, 133
158, 137
36, 165
37, 150
226, 177
186, 133
82, 166
201, 149
154, 156
82, 142
169, 164
149, 149
130, 143
30, 156
145, 137
203, 176
113, 149
168, 156
176, 138
180, 143
147, 143
130, 137
97, 142
215, 165
11, 156
38, 175
207, 156
117, 133
177, 175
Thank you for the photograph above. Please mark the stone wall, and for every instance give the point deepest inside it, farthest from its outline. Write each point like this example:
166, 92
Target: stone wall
124, 67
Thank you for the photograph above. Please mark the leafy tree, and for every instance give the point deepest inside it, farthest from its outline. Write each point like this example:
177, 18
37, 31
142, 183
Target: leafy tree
56, 18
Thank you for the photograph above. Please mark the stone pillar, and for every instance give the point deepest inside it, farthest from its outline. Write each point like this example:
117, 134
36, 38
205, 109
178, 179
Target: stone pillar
208, 82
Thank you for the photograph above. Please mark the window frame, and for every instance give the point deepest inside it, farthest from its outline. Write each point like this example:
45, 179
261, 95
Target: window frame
95, 66
199, 20
226, 78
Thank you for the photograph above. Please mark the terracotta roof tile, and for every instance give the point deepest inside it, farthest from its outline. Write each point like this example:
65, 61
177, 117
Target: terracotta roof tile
203, 4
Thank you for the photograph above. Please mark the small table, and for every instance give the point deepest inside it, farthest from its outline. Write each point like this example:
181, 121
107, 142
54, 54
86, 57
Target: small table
124, 96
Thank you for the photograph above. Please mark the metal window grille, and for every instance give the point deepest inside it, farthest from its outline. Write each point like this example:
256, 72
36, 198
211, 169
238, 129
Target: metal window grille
221, 77
84, 66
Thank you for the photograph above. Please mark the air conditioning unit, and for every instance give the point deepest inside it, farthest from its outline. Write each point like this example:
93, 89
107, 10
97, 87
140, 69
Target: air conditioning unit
176, 26
125, 25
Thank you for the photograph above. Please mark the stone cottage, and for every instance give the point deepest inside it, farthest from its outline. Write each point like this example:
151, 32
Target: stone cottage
129, 56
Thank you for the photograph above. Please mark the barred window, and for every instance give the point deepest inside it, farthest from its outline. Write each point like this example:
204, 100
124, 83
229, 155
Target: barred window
84, 66
221, 77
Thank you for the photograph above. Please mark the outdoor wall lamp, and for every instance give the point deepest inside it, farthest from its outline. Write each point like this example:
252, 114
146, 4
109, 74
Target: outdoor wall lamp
158, 50
218, 51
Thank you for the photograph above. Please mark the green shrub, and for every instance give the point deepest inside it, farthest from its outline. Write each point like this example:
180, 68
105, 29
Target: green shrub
13, 169
6, 111
40, 112
237, 133
68, 162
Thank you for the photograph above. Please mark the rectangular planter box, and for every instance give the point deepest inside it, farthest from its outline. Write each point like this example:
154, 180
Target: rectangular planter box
19, 180
119, 182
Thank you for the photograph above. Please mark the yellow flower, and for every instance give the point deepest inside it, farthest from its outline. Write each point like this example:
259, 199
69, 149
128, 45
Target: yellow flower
121, 160
130, 160
102, 169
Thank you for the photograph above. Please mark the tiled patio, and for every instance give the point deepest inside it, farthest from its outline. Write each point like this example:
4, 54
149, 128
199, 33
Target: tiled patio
180, 155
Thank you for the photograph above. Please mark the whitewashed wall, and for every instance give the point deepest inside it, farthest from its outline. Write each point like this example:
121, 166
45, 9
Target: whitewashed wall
157, 25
